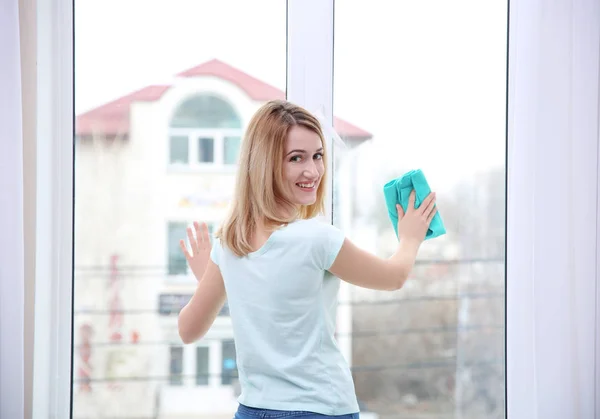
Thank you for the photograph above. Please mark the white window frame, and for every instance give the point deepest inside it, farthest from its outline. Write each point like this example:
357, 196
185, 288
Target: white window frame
310, 83
54, 210
553, 197
310, 66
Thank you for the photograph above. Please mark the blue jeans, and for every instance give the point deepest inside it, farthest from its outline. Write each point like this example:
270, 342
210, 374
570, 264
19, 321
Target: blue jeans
245, 412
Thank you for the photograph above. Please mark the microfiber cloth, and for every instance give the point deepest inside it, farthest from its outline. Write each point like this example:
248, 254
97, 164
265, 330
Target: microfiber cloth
397, 191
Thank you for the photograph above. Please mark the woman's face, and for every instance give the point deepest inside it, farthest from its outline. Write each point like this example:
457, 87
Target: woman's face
303, 166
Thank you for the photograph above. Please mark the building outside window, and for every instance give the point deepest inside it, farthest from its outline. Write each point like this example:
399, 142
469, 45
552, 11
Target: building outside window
205, 131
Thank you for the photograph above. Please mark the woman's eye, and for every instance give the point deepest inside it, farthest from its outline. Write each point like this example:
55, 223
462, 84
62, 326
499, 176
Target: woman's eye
296, 158
318, 156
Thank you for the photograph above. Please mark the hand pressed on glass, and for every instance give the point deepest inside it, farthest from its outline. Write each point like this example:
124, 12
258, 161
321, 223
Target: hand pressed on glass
414, 223
200, 249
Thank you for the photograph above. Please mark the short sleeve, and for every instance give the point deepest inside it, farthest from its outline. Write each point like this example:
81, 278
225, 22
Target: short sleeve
216, 251
330, 240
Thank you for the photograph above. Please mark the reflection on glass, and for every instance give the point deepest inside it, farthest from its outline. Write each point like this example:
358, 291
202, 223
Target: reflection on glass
427, 80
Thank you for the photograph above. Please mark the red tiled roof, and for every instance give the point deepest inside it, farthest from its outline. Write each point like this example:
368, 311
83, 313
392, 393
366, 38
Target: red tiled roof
253, 87
113, 118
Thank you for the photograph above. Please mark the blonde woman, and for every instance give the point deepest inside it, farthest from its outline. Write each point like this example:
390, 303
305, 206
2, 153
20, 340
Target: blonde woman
279, 266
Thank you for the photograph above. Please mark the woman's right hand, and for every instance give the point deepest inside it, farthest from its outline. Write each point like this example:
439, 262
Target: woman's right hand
364, 269
413, 224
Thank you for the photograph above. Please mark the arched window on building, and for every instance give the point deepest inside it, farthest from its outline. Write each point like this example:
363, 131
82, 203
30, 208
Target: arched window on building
204, 131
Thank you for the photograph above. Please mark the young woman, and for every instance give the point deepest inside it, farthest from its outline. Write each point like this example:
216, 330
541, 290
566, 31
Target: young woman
279, 266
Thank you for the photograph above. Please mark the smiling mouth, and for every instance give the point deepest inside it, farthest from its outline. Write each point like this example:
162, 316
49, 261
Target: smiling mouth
307, 187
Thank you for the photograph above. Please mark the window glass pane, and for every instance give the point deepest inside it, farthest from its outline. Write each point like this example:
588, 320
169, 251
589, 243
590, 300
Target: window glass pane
176, 366
424, 84
179, 150
231, 150
202, 111
177, 262
141, 88
229, 370
202, 365
206, 150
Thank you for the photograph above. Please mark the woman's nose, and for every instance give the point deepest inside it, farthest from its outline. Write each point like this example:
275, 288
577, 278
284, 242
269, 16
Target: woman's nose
311, 170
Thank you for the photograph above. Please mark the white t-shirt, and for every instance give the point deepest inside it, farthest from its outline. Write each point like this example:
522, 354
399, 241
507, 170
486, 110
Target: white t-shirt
282, 302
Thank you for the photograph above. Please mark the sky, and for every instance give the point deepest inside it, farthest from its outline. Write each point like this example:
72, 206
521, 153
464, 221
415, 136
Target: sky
427, 78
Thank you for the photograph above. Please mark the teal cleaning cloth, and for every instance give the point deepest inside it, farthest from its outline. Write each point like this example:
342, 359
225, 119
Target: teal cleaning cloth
397, 191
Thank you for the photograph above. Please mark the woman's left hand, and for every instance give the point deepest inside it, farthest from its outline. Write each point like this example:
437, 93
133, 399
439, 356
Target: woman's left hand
200, 249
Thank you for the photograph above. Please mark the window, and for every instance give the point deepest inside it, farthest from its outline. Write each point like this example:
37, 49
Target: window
442, 354
202, 365
205, 112
206, 147
195, 122
177, 264
231, 149
176, 366
206, 128
229, 366
179, 151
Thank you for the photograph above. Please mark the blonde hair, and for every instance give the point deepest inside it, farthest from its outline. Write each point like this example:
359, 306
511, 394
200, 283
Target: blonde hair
260, 191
